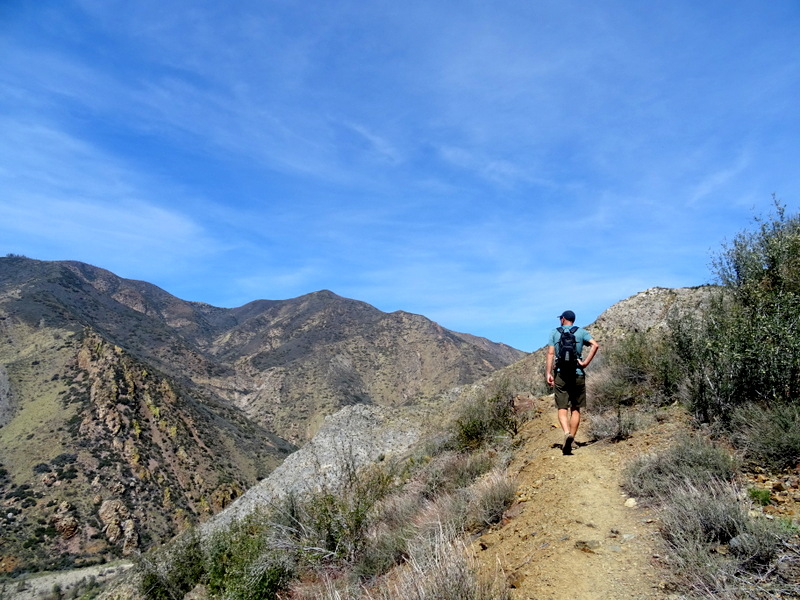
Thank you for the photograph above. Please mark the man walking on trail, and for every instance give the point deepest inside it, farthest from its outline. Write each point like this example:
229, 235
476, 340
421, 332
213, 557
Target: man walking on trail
565, 371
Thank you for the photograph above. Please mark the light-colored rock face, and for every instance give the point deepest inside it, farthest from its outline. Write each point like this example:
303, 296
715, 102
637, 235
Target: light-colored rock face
650, 309
118, 525
352, 438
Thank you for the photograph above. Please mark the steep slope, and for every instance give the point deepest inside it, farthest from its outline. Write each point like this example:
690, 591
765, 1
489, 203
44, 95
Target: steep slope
286, 363
104, 455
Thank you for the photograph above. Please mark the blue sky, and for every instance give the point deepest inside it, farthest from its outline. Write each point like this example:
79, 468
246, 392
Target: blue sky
485, 164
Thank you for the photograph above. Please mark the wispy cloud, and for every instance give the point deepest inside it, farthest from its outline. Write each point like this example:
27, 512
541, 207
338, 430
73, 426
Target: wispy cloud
480, 164
72, 200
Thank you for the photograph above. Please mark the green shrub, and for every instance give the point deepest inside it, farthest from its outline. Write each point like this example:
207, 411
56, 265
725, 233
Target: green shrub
473, 427
484, 418
174, 570
640, 367
260, 579
231, 552
236, 563
760, 496
746, 347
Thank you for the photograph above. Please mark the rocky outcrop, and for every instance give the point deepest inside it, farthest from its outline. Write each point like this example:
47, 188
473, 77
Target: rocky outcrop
118, 525
650, 310
64, 521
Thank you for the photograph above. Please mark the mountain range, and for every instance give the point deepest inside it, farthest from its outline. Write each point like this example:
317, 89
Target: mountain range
127, 414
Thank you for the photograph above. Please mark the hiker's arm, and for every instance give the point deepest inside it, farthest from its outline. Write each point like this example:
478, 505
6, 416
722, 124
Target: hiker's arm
548, 372
593, 348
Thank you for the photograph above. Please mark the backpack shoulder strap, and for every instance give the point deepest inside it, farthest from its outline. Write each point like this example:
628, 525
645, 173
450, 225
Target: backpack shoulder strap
573, 329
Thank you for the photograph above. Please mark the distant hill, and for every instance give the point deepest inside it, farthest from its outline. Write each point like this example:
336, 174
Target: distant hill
127, 414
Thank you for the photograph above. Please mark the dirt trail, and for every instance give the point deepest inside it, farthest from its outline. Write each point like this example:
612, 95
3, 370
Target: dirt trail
570, 534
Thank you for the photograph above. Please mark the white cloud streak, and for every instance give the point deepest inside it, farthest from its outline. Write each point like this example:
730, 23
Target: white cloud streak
425, 156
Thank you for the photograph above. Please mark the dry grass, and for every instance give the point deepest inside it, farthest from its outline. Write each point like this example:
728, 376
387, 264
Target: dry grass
618, 424
692, 459
441, 569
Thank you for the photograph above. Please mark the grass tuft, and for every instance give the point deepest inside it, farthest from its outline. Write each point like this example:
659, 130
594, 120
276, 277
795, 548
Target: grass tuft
692, 460
713, 541
618, 424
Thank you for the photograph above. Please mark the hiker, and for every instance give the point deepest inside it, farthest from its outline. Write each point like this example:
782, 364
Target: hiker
567, 374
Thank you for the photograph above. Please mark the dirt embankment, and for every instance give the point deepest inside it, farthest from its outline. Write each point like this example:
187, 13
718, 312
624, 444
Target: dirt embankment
573, 534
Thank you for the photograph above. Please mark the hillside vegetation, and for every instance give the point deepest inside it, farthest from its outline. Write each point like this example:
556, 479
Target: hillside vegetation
727, 494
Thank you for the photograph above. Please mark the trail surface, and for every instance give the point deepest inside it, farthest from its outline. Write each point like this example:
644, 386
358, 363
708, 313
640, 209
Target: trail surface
570, 535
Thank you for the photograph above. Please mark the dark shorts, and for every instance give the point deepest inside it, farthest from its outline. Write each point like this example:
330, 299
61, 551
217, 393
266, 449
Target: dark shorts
570, 391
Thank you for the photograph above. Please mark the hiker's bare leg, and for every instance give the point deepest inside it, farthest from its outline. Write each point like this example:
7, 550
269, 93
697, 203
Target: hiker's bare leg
574, 421
563, 420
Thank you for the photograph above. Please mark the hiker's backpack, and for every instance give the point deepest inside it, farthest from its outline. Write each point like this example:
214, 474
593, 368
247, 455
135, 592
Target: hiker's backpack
567, 356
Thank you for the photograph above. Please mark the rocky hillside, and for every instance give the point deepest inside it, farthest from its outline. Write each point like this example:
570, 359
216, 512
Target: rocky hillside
127, 413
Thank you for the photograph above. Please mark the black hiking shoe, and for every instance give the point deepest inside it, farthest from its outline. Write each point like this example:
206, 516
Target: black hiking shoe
567, 449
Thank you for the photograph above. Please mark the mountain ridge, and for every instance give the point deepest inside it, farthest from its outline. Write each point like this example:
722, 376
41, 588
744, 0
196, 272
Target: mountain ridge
119, 400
